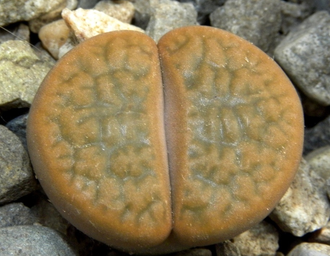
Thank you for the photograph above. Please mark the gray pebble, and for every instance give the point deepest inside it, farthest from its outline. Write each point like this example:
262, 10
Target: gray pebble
294, 13
16, 214
167, 15
142, 14
48, 216
319, 160
204, 8
256, 21
305, 56
19, 32
317, 136
16, 176
33, 240
322, 5
227, 248
87, 4
18, 126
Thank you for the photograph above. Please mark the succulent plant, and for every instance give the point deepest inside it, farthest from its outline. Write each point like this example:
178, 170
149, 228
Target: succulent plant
157, 148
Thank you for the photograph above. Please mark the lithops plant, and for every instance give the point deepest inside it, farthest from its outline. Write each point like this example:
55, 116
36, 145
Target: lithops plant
146, 178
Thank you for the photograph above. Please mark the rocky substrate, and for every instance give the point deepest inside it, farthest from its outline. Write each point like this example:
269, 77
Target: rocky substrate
37, 33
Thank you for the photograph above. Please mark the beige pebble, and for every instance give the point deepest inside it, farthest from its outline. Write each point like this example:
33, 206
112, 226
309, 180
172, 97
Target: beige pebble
122, 10
21, 73
322, 235
305, 207
89, 23
53, 36
306, 249
261, 239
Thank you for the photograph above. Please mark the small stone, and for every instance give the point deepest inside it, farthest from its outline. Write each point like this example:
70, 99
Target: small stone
204, 8
43, 55
227, 248
16, 176
167, 15
21, 72
48, 216
22, 10
322, 5
36, 24
16, 214
142, 13
319, 161
33, 240
122, 10
310, 249
18, 126
262, 239
89, 23
305, 207
293, 14
53, 36
305, 53
317, 136
88, 4
322, 235
20, 32
67, 46
256, 21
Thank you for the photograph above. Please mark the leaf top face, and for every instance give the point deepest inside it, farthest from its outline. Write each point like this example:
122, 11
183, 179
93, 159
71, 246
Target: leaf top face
143, 177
